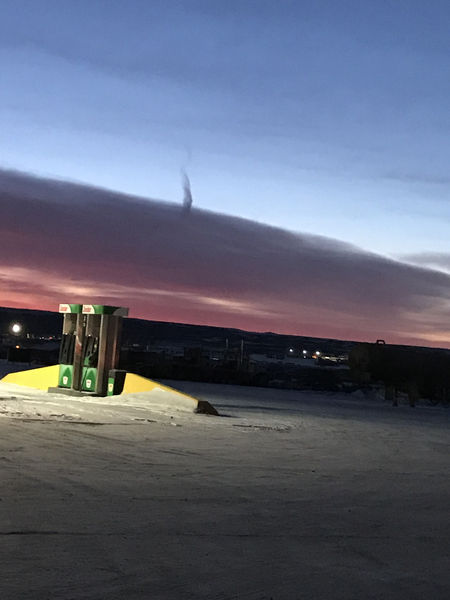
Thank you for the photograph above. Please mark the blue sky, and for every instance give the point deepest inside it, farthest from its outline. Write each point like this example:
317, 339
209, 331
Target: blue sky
326, 117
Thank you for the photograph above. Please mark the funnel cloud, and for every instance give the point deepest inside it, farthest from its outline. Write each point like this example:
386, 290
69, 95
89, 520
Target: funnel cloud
187, 193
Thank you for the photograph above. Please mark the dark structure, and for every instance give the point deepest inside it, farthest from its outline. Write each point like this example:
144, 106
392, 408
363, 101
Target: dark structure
418, 372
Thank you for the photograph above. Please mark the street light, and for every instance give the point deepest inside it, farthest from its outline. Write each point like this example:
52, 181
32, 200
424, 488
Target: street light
16, 328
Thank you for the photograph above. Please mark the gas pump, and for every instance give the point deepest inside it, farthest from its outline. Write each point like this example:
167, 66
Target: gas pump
71, 312
101, 346
89, 352
90, 347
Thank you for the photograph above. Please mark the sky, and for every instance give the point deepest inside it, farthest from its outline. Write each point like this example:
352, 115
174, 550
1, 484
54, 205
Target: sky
315, 136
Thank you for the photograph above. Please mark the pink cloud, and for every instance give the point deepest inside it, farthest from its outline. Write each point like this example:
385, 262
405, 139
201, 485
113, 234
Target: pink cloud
65, 242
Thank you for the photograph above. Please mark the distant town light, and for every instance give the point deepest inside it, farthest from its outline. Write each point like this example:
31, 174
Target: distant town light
304, 352
317, 353
16, 328
291, 349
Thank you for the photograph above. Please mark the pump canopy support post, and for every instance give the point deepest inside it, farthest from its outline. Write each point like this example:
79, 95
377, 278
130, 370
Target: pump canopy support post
90, 347
78, 354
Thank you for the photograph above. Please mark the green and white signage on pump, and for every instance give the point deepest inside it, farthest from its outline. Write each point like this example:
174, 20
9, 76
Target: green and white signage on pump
100, 309
70, 308
65, 376
89, 379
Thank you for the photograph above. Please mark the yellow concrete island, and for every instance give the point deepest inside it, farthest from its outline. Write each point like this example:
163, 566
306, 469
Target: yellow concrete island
158, 394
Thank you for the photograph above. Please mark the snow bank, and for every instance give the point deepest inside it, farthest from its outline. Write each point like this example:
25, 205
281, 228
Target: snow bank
26, 403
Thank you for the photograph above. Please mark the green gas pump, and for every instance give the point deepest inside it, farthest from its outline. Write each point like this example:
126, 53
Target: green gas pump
90, 347
101, 347
72, 313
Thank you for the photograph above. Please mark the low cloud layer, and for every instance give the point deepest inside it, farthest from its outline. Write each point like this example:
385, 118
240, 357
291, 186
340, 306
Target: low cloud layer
63, 242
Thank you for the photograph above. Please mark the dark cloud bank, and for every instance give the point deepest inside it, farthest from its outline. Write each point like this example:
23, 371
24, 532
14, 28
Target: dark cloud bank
67, 242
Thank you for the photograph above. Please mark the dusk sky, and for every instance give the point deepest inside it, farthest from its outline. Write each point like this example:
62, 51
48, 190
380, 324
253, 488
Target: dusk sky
315, 136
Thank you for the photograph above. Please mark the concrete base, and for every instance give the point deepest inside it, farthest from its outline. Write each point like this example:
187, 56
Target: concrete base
69, 392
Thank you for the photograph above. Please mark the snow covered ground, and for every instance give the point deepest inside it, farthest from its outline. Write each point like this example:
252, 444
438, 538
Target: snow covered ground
288, 495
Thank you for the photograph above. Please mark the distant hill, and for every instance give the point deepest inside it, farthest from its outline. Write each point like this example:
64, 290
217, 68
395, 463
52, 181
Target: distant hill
142, 332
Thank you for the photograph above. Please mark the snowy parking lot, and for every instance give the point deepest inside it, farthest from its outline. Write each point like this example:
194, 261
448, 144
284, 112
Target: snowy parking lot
287, 495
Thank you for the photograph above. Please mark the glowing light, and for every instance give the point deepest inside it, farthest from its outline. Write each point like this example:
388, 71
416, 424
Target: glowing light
16, 328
